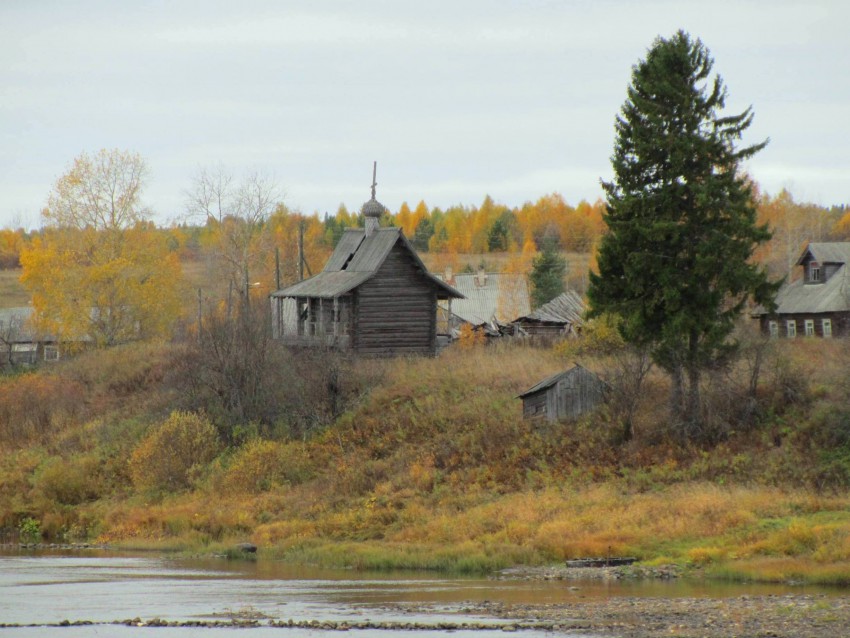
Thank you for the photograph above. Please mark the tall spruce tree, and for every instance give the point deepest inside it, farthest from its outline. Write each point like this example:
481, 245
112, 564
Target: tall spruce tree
675, 264
547, 273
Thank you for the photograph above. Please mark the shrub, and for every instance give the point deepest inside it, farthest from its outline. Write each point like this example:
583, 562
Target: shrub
70, 482
600, 335
702, 556
29, 530
260, 465
170, 456
35, 406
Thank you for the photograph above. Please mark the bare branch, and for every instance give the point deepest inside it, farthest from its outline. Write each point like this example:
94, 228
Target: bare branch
100, 192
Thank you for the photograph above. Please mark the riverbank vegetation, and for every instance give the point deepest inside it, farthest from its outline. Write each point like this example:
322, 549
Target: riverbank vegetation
427, 463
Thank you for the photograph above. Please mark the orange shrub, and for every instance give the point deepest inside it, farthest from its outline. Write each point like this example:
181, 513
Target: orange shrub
33, 406
169, 456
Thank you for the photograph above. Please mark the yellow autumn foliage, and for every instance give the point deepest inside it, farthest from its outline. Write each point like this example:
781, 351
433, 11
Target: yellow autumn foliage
169, 456
104, 287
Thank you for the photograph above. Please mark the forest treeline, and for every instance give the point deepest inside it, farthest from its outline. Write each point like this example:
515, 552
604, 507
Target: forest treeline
490, 227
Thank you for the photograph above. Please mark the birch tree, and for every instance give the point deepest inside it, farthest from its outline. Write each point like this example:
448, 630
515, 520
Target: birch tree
99, 271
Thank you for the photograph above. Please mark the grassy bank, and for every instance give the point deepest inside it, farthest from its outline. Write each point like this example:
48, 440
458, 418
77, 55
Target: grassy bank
430, 466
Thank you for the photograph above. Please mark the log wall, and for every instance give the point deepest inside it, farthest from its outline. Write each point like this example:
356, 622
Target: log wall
396, 310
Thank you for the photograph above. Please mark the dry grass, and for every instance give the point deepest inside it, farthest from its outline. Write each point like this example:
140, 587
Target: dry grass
435, 468
12, 291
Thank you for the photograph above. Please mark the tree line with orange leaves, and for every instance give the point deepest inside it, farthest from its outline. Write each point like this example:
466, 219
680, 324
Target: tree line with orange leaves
488, 228
252, 242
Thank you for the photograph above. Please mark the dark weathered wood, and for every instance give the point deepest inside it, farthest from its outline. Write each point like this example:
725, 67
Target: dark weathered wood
374, 296
567, 395
396, 309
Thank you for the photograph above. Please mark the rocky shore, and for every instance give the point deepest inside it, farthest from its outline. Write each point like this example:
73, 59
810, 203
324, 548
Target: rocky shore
562, 572
785, 616
752, 616
792, 616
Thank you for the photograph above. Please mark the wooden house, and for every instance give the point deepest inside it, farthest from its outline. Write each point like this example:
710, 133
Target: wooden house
817, 303
373, 297
561, 317
20, 344
563, 396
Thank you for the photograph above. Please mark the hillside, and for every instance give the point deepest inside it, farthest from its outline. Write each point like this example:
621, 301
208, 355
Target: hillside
429, 465
12, 292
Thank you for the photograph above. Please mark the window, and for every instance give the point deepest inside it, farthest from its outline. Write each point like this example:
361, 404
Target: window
773, 328
814, 271
24, 347
809, 327
51, 353
791, 328
826, 324
24, 352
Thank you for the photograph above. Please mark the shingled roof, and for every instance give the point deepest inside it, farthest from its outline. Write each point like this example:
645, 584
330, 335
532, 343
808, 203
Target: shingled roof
566, 308
355, 260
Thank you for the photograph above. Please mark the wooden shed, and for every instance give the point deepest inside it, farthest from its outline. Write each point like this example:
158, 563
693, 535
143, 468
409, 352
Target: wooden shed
373, 297
560, 317
566, 395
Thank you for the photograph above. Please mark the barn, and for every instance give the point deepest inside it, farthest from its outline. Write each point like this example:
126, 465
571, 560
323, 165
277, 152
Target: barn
373, 297
563, 396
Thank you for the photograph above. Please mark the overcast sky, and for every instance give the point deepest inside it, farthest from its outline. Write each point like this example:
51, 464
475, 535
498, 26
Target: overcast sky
454, 99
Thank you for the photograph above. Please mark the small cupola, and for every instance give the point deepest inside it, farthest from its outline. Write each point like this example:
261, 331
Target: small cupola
373, 209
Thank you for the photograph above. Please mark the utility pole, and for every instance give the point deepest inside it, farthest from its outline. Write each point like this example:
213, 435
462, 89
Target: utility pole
301, 249
247, 293
277, 268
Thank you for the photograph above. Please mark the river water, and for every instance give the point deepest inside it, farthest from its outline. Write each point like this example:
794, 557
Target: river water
47, 588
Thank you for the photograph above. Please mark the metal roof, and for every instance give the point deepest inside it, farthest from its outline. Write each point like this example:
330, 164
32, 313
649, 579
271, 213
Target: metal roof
354, 261
489, 296
568, 307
